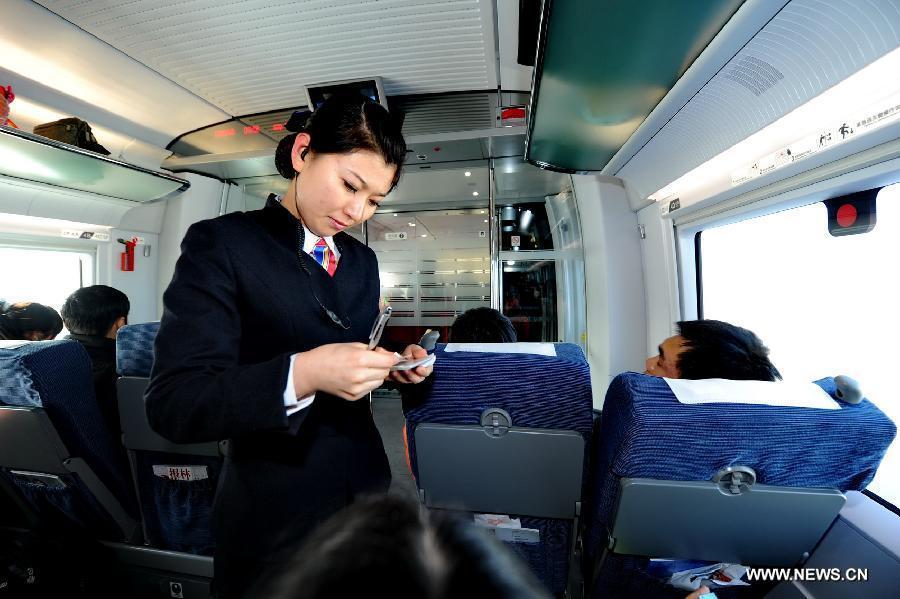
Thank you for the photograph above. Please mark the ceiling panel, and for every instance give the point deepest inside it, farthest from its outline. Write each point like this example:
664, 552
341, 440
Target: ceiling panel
436, 224
449, 188
809, 46
57, 68
248, 56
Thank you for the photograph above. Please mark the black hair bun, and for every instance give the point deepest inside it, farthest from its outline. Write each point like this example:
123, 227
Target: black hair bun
283, 162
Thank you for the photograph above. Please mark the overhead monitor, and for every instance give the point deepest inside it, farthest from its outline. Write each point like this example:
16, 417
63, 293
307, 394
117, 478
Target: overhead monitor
371, 88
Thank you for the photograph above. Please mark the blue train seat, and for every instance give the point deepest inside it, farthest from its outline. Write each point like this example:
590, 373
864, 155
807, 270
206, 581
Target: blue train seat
176, 483
507, 433
663, 478
55, 448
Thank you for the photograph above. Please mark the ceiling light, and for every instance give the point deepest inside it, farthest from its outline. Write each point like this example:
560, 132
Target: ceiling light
411, 224
475, 193
424, 235
17, 162
525, 219
801, 132
510, 262
468, 173
485, 220
482, 212
395, 214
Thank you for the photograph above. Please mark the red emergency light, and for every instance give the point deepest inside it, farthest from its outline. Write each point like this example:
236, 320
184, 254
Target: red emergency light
852, 214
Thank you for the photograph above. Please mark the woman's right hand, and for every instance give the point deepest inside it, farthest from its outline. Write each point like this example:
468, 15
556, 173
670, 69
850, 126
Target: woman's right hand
348, 370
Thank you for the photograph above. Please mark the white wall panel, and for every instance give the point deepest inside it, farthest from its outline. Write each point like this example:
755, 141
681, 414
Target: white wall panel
660, 280
616, 336
140, 285
201, 201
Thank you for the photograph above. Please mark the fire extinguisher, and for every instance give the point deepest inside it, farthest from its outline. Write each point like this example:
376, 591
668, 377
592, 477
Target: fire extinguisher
127, 256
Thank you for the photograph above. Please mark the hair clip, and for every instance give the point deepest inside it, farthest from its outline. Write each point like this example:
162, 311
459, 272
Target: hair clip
298, 120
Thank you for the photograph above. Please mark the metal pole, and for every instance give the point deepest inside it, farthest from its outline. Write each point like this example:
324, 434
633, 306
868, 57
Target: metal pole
494, 240
223, 204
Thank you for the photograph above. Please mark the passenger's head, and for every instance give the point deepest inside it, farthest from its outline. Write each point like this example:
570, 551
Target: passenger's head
712, 349
388, 547
342, 164
482, 325
29, 321
98, 311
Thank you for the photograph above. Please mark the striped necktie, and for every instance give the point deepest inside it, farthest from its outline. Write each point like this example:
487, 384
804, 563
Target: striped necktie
324, 256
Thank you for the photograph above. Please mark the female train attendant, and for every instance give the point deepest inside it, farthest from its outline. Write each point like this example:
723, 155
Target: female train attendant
262, 342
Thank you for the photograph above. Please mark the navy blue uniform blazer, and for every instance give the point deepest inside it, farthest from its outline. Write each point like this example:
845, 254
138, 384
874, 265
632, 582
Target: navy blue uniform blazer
239, 305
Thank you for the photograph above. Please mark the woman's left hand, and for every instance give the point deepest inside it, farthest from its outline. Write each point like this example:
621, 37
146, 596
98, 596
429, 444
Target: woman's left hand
414, 375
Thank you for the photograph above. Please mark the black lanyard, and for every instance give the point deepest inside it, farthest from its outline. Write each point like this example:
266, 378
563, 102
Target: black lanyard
334, 318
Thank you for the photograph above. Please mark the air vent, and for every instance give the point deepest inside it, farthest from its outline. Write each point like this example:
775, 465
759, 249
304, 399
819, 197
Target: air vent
424, 115
754, 74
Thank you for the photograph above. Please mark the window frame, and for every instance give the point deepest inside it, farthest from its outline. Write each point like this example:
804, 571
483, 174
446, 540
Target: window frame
689, 227
13, 241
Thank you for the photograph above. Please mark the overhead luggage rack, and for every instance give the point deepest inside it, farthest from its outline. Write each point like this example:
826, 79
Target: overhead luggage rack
46, 161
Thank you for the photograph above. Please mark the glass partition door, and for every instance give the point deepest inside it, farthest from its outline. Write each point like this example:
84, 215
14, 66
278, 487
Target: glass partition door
542, 268
434, 265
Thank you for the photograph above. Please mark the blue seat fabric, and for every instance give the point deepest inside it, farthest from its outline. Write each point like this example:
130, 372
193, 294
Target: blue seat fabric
646, 432
537, 392
177, 514
58, 375
134, 349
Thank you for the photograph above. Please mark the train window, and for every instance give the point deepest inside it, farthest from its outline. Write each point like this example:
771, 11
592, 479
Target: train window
824, 305
43, 275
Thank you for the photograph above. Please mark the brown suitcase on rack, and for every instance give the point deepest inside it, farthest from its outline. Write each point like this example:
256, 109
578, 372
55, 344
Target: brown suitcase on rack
72, 131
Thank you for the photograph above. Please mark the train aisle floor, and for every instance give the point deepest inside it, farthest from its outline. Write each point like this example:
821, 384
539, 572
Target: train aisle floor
388, 414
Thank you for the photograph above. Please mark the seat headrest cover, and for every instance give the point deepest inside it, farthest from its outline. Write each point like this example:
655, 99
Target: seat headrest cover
134, 348
525, 347
779, 393
16, 386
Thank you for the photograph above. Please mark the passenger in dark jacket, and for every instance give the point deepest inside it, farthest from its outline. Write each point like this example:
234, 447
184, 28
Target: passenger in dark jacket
94, 316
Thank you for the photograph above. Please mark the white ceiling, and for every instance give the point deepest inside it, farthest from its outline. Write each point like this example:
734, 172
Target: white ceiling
809, 46
440, 187
56, 67
248, 56
447, 186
